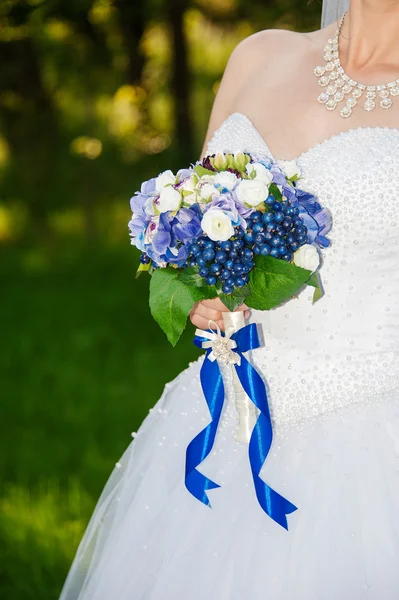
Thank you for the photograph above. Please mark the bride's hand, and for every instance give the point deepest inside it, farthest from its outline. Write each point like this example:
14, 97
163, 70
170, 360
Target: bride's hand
211, 310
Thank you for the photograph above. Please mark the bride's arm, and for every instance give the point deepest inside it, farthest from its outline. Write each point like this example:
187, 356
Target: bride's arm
240, 67
237, 70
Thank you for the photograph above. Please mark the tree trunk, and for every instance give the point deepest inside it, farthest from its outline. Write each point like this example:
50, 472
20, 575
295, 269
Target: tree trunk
181, 81
29, 122
132, 21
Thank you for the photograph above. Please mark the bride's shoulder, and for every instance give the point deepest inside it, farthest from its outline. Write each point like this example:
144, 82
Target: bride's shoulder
265, 54
273, 43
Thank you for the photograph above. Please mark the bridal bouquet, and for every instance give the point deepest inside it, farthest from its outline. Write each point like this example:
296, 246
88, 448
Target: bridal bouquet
239, 228
229, 226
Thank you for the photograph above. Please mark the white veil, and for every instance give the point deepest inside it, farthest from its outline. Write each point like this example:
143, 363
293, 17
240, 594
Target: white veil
333, 11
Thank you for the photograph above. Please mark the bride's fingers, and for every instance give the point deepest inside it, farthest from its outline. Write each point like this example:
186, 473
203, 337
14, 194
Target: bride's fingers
208, 310
204, 314
217, 304
208, 313
202, 322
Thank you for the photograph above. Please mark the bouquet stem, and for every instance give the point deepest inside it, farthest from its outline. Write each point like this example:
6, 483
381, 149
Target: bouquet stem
247, 412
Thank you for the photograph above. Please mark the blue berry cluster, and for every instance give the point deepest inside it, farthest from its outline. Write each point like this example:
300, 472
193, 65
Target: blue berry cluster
228, 262
278, 232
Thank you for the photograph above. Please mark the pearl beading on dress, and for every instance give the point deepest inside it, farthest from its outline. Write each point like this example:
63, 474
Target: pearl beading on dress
342, 350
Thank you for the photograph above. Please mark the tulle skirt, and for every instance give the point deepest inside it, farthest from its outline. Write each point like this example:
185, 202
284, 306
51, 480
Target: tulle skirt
150, 539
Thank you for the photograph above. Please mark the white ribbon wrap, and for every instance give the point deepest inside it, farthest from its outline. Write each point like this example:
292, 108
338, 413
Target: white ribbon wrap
223, 352
246, 409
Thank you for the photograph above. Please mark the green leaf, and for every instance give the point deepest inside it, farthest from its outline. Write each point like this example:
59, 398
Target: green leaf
190, 276
200, 171
273, 281
317, 294
314, 280
171, 301
236, 298
218, 287
141, 268
274, 191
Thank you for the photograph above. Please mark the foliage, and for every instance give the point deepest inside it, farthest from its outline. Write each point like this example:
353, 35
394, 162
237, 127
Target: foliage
171, 300
274, 281
78, 343
173, 293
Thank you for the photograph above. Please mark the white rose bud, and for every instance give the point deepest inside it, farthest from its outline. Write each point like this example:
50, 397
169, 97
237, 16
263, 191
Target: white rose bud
165, 178
219, 161
217, 225
289, 168
169, 199
240, 160
252, 191
307, 257
226, 179
259, 171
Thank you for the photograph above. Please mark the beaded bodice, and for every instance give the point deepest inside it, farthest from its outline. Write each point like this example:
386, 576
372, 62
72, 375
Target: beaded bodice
345, 347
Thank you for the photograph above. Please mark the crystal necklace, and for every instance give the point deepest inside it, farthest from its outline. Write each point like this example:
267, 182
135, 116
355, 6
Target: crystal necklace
339, 87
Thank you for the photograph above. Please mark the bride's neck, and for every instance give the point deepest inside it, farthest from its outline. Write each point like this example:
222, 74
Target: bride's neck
369, 36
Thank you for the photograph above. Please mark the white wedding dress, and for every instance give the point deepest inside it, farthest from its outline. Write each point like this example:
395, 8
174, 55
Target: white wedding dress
332, 373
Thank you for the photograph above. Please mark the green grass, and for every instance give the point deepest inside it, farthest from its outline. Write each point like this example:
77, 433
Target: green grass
81, 363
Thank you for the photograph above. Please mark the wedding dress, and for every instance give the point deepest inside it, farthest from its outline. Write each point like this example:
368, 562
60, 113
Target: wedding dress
332, 375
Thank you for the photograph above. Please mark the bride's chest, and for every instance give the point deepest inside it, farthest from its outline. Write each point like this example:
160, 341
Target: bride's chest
356, 176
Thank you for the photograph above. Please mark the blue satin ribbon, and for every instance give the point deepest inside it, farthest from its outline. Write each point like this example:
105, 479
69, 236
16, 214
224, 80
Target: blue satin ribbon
199, 448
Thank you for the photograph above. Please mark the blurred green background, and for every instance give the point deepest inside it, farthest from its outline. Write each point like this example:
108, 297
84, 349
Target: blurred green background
95, 96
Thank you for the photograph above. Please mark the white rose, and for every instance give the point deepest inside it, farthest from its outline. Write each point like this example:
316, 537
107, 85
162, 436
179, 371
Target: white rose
226, 179
169, 199
217, 225
252, 191
207, 190
289, 168
259, 171
188, 184
307, 257
164, 179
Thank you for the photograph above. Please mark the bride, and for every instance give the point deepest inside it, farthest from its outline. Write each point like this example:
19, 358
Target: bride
326, 100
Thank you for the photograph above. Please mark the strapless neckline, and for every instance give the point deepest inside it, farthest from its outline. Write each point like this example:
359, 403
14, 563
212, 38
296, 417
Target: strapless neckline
325, 142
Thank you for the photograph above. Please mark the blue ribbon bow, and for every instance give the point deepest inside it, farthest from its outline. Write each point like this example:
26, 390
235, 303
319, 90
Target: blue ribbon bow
199, 448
